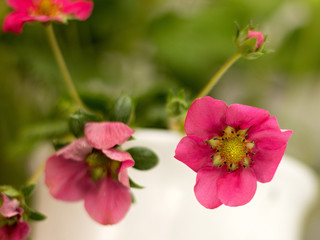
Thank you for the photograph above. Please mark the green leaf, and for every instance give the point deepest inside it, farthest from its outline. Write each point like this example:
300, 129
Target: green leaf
134, 185
78, 119
36, 216
248, 46
123, 109
27, 190
242, 35
58, 144
9, 191
254, 55
98, 102
144, 158
133, 199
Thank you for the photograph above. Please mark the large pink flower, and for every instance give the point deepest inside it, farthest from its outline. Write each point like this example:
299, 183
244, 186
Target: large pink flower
230, 148
93, 169
44, 11
12, 226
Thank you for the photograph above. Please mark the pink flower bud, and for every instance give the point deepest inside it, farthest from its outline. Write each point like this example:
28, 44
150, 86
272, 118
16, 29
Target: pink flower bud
258, 35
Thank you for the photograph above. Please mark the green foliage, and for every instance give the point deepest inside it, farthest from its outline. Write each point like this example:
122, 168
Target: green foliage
78, 120
32, 214
27, 190
9, 191
37, 216
176, 105
134, 184
144, 158
144, 48
45, 130
122, 109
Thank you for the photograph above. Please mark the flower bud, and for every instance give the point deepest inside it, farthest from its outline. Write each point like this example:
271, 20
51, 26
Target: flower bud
258, 35
250, 43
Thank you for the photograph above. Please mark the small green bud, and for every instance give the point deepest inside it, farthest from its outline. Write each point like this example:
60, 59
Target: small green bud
123, 109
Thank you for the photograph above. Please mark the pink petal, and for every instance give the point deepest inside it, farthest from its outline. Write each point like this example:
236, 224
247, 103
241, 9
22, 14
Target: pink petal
20, 231
237, 188
14, 22
10, 207
121, 156
194, 152
106, 135
4, 232
243, 117
108, 201
124, 178
78, 150
258, 35
270, 139
81, 9
266, 163
21, 5
67, 179
206, 187
206, 118
269, 124
45, 18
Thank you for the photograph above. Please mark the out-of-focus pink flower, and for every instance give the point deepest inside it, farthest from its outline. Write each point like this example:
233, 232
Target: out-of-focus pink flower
230, 148
258, 35
12, 225
93, 169
44, 11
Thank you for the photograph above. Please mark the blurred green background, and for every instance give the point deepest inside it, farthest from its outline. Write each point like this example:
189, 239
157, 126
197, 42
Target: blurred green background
144, 48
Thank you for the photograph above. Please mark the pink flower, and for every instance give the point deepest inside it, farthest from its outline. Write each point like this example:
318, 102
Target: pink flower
258, 35
94, 169
12, 227
44, 11
230, 148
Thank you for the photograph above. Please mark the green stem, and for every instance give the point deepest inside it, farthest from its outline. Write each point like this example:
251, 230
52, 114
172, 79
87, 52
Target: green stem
213, 81
63, 67
36, 175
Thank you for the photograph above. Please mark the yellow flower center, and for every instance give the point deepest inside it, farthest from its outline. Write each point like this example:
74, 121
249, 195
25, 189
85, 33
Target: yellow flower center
232, 149
101, 166
46, 7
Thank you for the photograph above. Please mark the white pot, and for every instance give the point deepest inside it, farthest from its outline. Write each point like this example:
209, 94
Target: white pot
168, 210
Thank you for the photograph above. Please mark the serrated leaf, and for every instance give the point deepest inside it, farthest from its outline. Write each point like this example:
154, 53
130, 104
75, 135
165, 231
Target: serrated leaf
78, 119
144, 158
122, 109
134, 184
27, 190
36, 216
